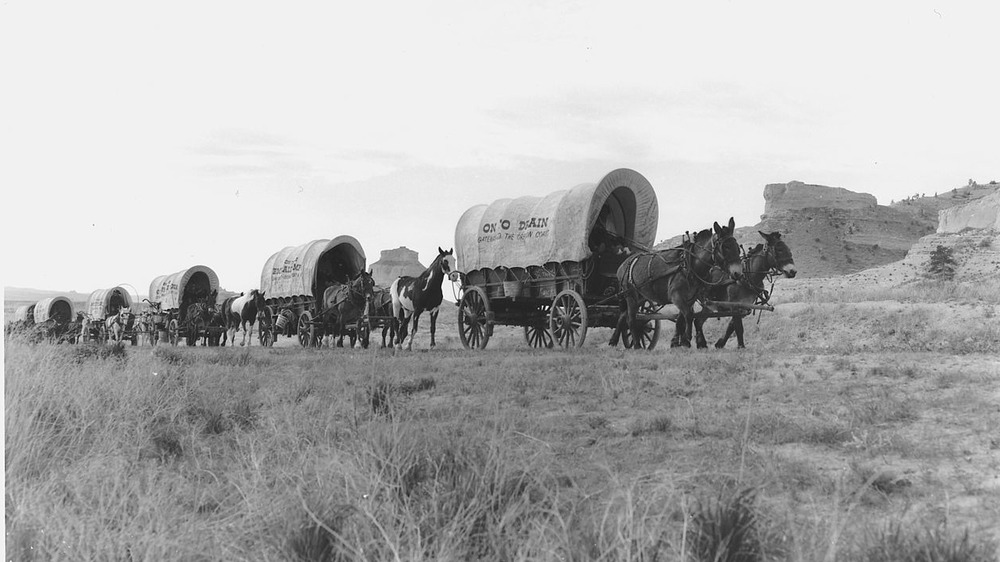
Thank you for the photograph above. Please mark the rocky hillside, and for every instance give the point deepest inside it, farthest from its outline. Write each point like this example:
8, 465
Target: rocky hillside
834, 231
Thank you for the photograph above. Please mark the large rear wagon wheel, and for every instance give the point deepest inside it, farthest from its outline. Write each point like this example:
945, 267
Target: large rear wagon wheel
537, 334
650, 331
568, 319
474, 323
306, 330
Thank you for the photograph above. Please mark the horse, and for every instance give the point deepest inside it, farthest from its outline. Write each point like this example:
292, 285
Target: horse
379, 307
676, 276
240, 312
344, 304
118, 324
765, 260
73, 331
413, 295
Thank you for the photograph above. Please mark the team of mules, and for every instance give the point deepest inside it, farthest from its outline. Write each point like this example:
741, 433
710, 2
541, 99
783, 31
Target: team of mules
709, 268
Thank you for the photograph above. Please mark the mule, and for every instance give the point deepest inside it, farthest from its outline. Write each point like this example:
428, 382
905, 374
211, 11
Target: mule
379, 309
411, 296
344, 305
117, 325
677, 276
772, 258
240, 313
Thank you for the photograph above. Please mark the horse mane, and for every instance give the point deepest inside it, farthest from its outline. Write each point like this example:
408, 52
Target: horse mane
756, 250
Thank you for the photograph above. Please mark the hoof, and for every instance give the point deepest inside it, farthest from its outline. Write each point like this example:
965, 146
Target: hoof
720, 344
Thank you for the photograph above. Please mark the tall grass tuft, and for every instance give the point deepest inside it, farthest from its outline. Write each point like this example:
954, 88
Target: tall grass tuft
893, 543
726, 529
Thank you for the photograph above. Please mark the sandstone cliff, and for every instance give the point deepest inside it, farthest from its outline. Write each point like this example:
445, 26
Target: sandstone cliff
983, 213
832, 230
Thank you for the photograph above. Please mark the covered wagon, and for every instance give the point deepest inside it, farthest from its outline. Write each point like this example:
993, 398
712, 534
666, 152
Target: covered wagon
103, 304
549, 263
24, 316
184, 304
294, 279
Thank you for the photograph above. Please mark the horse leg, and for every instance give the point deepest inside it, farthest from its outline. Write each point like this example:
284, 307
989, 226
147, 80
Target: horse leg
730, 328
413, 333
434, 317
622, 323
739, 331
679, 327
634, 324
401, 330
699, 334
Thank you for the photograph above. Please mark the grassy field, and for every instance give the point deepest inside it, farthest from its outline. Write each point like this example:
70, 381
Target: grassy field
850, 429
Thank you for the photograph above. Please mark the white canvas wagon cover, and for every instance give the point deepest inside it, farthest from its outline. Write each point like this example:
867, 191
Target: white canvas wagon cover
59, 309
170, 290
557, 227
104, 302
300, 270
25, 313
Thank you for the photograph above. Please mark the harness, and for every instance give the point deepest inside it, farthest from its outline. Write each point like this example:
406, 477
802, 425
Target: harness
685, 264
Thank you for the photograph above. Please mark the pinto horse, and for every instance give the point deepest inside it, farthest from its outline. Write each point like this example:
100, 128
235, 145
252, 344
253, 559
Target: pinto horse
116, 325
677, 276
766, 260
240, 313
344, 305
413, 295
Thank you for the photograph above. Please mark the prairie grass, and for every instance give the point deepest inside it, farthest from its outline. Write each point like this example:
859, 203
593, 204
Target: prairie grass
507, 454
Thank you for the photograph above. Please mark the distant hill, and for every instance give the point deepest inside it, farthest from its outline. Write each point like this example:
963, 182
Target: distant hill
834, 231
35, 295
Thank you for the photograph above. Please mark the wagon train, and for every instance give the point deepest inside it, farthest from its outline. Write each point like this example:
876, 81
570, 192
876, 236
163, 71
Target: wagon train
104, 304
295, 280
548, 264
183, 305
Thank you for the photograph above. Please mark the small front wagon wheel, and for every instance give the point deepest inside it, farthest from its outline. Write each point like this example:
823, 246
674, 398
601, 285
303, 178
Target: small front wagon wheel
306, 330
474, 323
650, 330
568, 319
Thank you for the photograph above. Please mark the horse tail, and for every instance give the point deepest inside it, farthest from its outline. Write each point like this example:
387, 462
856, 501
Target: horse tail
397, 305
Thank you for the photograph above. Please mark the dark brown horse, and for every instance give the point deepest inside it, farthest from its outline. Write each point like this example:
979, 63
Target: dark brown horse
411, 296
344, 305
766, 260
379, 312
678, 276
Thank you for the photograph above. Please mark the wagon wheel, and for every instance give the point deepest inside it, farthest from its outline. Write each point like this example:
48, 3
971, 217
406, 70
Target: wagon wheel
306, 329
538, 334
650, 333
568, 319
266, 337
173, 331
474, 324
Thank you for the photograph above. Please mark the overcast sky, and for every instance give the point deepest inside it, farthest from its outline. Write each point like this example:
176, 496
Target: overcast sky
139, 139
